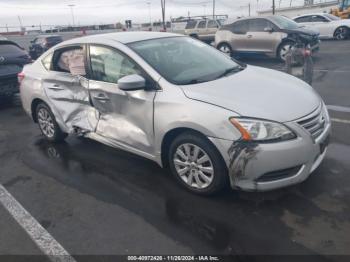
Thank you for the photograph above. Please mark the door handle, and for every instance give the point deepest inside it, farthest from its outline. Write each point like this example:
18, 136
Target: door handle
249, 36
56, 87
101, 97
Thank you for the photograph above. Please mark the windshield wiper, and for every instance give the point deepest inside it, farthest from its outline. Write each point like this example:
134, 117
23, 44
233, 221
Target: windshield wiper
231, 70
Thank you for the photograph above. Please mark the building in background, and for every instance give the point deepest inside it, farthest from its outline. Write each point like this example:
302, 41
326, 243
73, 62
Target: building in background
309, 7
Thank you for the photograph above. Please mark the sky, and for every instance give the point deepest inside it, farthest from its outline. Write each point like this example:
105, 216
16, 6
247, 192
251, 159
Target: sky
53, 12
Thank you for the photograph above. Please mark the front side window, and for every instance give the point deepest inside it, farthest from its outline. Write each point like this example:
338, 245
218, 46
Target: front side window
212, 24
318, 18
191, 24
258, 25
303, 19
183, 60
109, 65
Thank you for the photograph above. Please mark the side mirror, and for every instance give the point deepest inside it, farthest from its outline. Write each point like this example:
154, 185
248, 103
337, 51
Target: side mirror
268, 29
131, 83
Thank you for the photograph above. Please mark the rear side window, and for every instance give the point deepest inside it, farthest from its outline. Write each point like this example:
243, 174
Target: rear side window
303, 19
202, 24
191, 24
70, 60
9, 49
240, 27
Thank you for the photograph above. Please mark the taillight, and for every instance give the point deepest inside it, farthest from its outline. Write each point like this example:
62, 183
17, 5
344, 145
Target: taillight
20, 77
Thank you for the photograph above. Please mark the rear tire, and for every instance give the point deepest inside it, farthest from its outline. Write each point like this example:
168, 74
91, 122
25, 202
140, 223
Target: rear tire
341, 33
225, 48
48, 125
197, 164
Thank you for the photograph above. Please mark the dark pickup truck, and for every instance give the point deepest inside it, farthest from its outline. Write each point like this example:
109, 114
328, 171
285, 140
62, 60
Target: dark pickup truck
12, 60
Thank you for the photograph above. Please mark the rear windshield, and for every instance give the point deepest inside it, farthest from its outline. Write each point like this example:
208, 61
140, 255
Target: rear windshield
8, 49
54, 39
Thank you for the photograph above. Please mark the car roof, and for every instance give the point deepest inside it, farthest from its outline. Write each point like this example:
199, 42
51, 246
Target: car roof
309, 15
251, 17
123, 37
47, 36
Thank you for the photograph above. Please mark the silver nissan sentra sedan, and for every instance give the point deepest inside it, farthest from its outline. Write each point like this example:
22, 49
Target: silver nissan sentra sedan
183, 104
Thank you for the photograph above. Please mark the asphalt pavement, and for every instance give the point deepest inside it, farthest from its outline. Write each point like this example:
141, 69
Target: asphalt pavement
96, 200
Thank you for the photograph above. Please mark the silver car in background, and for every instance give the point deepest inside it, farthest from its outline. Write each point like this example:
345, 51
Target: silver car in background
183, 104
271, 35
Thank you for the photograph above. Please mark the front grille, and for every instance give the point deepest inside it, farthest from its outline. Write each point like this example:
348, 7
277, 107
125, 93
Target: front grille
314, 123
280, 174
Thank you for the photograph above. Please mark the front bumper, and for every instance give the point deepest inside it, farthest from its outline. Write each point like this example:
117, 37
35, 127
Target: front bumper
263, 167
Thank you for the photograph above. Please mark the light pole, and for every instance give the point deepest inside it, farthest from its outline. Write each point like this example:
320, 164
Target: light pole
71, 6
213, 9
149, 13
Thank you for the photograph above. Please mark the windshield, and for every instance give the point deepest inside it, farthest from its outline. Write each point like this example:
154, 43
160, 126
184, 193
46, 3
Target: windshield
332, 17
183, 60
284, 22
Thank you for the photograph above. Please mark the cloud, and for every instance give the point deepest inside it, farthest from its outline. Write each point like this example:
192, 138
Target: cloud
51, 12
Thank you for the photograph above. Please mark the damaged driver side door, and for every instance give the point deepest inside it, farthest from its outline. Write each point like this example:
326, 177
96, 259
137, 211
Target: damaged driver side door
67, 90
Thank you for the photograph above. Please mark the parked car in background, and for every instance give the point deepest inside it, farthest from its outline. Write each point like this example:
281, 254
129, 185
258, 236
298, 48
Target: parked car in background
42, 43
271, 35
202, 29
183, 104
12, 60
328, 25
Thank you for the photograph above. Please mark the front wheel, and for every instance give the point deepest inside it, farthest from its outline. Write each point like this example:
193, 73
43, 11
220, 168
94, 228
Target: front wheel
341, 33
197, 164
283, 50
48, 125
225, 48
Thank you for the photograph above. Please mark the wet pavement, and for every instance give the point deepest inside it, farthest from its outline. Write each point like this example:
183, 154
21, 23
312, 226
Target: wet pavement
96, 200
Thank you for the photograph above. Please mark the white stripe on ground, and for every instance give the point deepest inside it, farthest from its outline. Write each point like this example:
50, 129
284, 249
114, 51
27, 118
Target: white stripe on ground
47, 244
343, 121
332, 71
339, 108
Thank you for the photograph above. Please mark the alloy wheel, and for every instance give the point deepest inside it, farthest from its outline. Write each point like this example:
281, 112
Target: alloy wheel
194, 166
341, 33
285, 49
46, 123
225, 49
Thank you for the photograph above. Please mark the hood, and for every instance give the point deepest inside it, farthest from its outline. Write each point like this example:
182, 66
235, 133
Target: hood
341, 22
302, 30
260, 93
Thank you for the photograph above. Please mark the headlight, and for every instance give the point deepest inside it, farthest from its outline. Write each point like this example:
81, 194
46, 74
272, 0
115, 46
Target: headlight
261, 130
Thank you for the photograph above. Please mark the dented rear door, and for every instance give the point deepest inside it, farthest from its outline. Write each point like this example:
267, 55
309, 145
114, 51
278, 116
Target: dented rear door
69, 96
